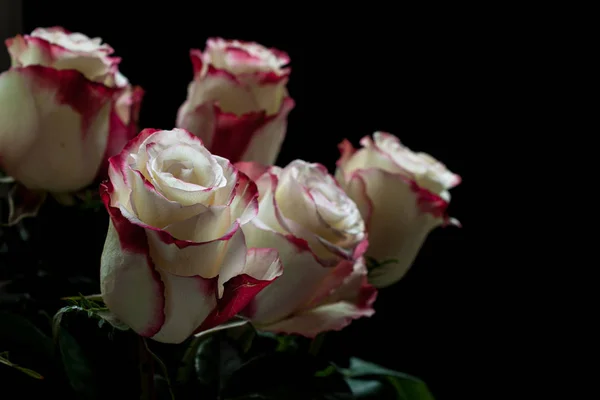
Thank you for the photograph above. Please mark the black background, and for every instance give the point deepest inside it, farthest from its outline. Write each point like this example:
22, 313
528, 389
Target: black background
406, 70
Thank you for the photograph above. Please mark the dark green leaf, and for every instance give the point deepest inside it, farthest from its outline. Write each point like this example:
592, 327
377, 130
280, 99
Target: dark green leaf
216, 359
4, 360
286, 376
99, 361
19, 332
267, 342
34, 352
372, 381
77, 366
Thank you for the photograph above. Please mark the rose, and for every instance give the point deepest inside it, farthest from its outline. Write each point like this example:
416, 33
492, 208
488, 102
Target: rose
64, 109
320, 237
401, 195
238, 101
175, 260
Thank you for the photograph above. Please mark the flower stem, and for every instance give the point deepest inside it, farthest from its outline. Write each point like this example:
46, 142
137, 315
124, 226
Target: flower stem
146, 371
316, 344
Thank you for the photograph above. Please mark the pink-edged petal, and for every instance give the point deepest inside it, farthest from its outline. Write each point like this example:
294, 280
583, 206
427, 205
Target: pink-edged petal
393, 234
127, 106
131, 236
254, 170
244, 57
124, 120
303, 275
350, 297
23, 203
262, 269
39, 48
244, 205
60, 138
189, 301
118, 164
233, 260
295, 210
220, 87
198, 64
131, 286
329, 317
268, 212
356, 188
346, 151
233, 133
269, 91
185, 258
266, 141
367, 157
354, 288
198, 119
263, 264
333, 280
155, 210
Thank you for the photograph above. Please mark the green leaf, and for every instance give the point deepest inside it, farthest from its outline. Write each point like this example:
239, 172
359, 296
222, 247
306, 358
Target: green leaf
266, 342
372, 381
77, 367
216, 359
99, 361
285, 375
34, 352
19, 332
4, 360
372, 263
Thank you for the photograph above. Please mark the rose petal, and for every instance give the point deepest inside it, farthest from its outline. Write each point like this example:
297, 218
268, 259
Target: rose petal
295, 288
131, 286
189, 300
268, 214
350, 297
393, 233
266, 141
64, 122
51, 49
297, 213
244, 204
263, 267
325, 318
233, 261
223, 88
252, 169
234, 133
153, 209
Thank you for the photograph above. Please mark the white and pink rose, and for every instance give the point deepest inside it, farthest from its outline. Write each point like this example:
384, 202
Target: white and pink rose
402, 196
64, 109
237, 102
175, 260
320, 236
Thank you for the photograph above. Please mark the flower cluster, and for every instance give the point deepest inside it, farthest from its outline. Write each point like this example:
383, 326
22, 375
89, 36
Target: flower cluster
203, 226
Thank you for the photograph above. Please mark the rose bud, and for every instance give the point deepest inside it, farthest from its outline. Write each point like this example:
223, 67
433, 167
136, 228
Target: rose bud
402, 196
237, 102
64, 109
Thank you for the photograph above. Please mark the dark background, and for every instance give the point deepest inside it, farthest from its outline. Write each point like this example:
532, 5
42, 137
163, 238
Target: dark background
408, 71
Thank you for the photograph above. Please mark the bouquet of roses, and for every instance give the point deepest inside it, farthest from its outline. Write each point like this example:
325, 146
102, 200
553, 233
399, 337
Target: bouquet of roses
220, 272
